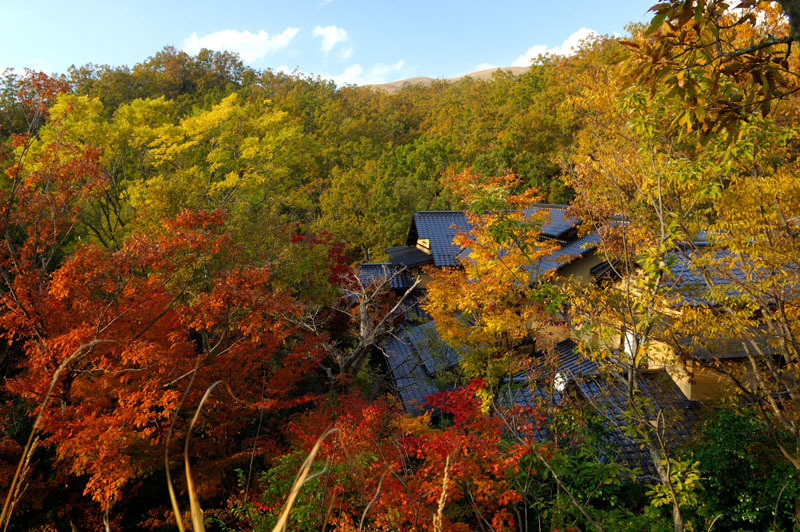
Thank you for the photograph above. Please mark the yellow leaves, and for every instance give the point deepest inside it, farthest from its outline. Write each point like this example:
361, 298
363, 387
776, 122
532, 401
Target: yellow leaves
230, 181
230, 155
227, 109
81, 117
498, 298
414, 425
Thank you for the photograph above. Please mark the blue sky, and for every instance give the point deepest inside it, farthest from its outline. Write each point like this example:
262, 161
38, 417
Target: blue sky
364, 41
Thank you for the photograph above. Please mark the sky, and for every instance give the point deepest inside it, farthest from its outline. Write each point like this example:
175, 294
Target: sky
349, 41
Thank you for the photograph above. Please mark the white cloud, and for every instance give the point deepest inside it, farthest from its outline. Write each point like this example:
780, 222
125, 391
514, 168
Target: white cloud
331, 36
325, 3
356, 75
351, 75
568, 47
249, 46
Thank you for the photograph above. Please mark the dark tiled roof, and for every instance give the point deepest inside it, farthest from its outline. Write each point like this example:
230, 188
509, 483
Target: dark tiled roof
569, 252
412, 382
400, 279
708, 276
414, 356
408, 256
557, 224
607, 397
568, 361
602, 270
709, 347
439, 227
412, 309
687, 279
435, 354
523, 395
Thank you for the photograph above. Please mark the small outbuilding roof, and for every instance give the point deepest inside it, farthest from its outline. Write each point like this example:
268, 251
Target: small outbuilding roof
414, 356
399, 278
409, 256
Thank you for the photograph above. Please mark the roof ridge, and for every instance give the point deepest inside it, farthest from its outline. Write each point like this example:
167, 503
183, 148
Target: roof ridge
548, 206
552, 206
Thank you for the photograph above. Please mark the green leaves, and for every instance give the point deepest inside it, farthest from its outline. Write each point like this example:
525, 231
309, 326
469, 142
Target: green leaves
685, 482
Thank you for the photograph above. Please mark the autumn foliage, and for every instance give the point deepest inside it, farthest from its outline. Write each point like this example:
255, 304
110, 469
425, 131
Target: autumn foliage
191, 224
386, 470
501, 296
138, 331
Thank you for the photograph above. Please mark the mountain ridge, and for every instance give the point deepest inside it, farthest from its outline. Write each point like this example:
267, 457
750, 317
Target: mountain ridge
394, 86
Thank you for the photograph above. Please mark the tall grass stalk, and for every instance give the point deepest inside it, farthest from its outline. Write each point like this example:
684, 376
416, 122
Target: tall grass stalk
301, 478
8, 507
195, 510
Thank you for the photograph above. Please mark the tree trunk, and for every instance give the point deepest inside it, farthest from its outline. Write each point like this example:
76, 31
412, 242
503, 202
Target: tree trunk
663, 475
677, 518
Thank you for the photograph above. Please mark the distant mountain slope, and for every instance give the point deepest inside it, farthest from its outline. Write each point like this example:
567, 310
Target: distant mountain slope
395, 86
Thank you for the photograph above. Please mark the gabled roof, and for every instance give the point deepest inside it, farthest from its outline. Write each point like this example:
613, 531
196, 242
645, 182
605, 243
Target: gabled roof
439, 227
565, 359
400, 278
412, 382
721, 347
568, 360
687, 279
435, 354
568, 253
416, 354
608, 398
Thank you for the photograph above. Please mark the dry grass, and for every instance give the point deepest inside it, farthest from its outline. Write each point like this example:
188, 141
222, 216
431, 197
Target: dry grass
195, 510
437, 518
30, 445
301, 478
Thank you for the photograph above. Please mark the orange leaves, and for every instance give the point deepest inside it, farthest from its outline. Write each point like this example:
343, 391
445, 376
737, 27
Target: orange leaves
194, 220
174, 306
40, 90
396, 464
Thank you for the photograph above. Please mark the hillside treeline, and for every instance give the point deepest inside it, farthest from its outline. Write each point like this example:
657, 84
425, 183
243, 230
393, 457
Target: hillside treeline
187, 343
352, 161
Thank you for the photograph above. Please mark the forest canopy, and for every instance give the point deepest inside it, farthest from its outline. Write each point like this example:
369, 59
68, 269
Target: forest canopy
188, 340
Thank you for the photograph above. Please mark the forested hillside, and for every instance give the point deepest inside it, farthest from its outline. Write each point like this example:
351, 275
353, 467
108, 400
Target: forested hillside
351, 161
189, 342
